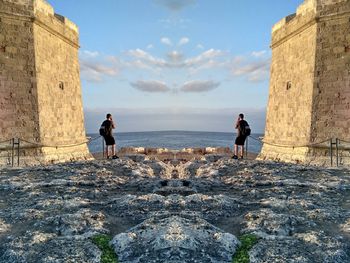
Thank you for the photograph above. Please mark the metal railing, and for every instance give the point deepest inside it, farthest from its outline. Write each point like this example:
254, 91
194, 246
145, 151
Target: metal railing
14, 145
334, 146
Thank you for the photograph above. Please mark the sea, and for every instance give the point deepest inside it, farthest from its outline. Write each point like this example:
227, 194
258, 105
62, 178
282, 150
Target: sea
175, 140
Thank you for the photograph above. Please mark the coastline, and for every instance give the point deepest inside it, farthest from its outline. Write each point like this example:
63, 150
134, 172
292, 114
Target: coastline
176, 140
164, 153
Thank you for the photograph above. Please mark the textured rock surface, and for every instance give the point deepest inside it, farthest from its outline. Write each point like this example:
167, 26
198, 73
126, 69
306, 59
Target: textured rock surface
166, 212
175, 239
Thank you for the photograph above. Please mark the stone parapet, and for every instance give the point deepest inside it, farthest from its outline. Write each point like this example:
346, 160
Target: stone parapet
292, 25
43, 7
306, 15
308, 9
43, 14
56, 24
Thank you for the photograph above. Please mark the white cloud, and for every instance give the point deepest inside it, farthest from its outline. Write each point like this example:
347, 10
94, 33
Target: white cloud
145, 57
254, 68
152, 86
206, 60
209, 59
166, 41
255, 71
175, 56
204, 57
199, 86
138, 64
210, 64
95, 68
183, 41
91, 54
94, 71
200, 46
259, 54
175, 5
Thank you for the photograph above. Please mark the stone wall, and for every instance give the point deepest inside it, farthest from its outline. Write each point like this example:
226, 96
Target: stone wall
331, 98
309, 86
41, 98
18, 100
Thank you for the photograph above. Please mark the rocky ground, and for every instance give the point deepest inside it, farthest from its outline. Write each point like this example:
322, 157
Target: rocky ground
175, 211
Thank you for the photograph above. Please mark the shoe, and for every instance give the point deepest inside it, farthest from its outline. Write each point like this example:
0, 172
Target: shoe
115, 157
107, 157
235, 157
241, 157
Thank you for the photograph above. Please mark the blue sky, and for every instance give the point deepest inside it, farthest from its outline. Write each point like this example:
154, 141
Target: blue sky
175, 64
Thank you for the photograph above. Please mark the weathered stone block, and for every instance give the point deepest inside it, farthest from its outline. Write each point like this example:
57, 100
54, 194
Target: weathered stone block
309, 51
40, 51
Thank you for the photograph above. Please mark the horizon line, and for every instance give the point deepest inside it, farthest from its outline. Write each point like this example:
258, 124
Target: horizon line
174, 131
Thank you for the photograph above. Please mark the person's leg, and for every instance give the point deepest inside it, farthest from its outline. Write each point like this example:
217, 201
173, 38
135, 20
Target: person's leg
114, 155
242, 151
235, 150
107, 152
113, 150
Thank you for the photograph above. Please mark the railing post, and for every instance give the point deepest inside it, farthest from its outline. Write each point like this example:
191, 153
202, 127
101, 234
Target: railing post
331, 150
13, 151
337, 150
18, 146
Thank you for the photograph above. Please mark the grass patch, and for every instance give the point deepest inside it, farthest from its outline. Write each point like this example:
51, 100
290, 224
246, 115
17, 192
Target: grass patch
247, 242
108, 254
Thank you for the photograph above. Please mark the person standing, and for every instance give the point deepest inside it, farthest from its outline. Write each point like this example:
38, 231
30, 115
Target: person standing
243, 130
106, 130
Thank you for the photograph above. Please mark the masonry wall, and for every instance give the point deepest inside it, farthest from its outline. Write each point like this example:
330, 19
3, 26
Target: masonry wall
40, 98
58, 76
331, 104
310, 51
18, 99
289, 111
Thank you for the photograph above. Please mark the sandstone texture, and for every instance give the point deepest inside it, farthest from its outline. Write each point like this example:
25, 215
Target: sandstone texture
309, 98
41, 101
171, 211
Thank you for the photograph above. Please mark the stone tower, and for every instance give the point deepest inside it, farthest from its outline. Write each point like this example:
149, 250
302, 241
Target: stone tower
309, 100
40, 99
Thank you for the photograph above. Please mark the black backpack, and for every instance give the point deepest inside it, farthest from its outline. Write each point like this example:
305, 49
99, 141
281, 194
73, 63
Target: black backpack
245, 129
102, 130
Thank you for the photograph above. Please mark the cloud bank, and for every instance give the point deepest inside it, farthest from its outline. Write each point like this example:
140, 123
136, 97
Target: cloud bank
153, 86
254, 67
254, 71
95, 72
199, 86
